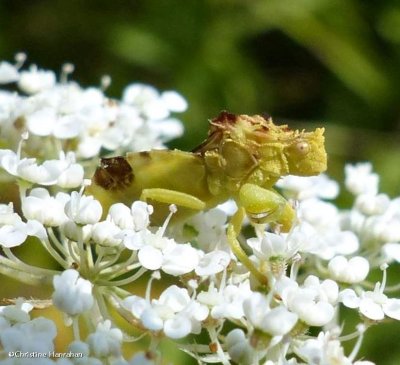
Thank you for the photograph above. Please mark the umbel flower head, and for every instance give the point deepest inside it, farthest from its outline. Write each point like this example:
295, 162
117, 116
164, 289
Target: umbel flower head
64, 110
261, 304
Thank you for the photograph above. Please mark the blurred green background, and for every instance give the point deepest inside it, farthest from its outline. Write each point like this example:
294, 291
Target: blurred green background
332, 63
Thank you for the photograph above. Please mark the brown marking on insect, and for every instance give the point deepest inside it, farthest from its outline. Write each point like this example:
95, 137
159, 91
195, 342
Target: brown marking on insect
211, 142
266, 116
213, 347
144, 154
149, 355
263, 128
224, 117
114, 173
19, 123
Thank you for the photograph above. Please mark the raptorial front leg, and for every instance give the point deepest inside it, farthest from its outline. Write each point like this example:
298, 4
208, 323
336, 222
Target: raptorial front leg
173, 197
266, 206
261, 206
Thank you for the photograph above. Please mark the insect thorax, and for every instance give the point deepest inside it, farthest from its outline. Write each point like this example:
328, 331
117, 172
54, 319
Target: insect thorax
242, 148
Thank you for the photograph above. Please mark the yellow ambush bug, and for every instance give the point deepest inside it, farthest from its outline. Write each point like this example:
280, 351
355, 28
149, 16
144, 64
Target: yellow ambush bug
242, 158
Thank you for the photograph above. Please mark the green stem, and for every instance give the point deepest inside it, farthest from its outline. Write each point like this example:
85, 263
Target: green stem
72, 253
122, 282
214, 339
27, 278
56, 256
120, 268
16, 263
56, 241
118, 292
82, 254
75, 328
102, 304
89, 256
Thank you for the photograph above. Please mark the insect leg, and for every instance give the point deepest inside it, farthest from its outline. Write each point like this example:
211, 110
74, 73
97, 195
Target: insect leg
233, 231
266, 206
173, 197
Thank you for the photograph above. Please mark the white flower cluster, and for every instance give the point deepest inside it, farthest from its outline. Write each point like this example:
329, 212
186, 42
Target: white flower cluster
253, 309
84, 120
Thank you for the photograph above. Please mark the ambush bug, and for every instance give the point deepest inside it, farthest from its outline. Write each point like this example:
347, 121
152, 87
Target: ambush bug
242, 158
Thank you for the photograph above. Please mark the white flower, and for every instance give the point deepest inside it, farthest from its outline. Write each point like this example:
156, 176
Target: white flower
150, 257
27, 168
277, 321
174, 312
325, 242
106, 341
227, 302
106, 234
68, 126
323, 350
372, 304
174, 101
39, 205
72, 294
167, 129
75, 232
8, 102
179, 259
239, 348
301, 187
35, 335
83, 209
213, 263
79, 347
41, 122
139, 94
121, 216
313, 303
151, 104
13, 235
8, 73
158, 252
64, 110
349, 271
383, 228
13, 231
17, 313
72, 173
272, 246
320, 214
36, 80
370, 204
391, 252
354, 221
360, 179
206, 229
141, 212
142, 358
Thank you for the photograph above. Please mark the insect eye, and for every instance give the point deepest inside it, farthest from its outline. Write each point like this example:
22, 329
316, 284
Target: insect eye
302, 147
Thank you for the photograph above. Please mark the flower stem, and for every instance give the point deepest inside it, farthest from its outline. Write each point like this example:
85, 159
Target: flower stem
125, 281
7, 268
